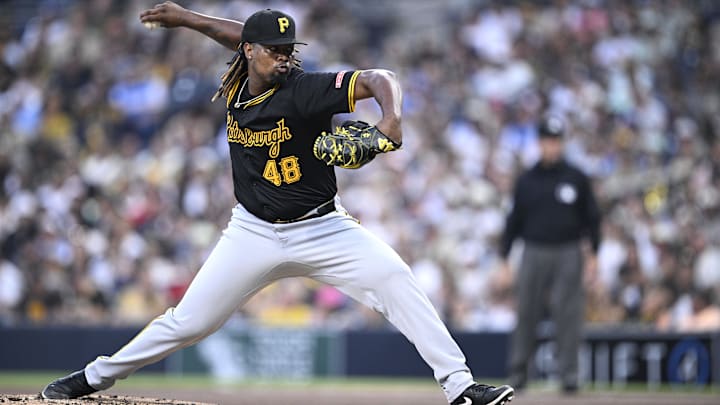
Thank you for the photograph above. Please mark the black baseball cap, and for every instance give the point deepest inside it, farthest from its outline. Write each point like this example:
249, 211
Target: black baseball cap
551, 127
270, 27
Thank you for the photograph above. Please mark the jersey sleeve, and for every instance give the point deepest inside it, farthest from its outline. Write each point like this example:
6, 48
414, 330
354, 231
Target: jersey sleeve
326, 93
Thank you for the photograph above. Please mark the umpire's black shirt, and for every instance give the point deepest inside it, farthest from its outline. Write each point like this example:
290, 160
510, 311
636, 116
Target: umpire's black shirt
553, 204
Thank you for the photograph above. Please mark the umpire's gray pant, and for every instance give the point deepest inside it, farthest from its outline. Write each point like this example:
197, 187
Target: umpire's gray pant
549, 274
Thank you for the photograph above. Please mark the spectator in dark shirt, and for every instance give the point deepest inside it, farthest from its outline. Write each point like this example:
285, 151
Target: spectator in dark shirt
553, 209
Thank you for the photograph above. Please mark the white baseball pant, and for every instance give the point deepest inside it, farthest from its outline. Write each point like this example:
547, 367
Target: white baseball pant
252, 253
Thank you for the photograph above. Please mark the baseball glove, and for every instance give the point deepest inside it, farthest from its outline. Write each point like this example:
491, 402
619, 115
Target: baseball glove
352, 145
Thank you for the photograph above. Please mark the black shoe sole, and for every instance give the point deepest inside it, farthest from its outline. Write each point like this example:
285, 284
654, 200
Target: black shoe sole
504, 398
44, 396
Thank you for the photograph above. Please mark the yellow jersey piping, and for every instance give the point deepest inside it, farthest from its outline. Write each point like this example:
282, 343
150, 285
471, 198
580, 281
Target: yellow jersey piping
232, 91
261, 98
351, 90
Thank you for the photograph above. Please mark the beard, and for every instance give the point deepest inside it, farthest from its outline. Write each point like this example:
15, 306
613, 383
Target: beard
279, 78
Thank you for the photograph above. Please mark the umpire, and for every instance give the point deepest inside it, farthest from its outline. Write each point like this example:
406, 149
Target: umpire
553, 209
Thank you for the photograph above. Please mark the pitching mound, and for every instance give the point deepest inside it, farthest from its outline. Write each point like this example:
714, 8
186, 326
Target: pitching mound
330, 396
93, 399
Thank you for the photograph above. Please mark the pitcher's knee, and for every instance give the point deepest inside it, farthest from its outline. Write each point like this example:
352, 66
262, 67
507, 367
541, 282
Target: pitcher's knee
190, 328
391, 269
395, 279
194, 331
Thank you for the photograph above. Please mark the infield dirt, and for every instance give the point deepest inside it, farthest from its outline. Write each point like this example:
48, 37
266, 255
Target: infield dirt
95, 399
325, 396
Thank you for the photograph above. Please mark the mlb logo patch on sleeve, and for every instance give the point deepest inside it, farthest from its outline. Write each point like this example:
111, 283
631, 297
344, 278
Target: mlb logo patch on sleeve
339, 79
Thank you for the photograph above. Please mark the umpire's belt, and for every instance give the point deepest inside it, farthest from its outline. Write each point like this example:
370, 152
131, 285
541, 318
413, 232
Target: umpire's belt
319, 211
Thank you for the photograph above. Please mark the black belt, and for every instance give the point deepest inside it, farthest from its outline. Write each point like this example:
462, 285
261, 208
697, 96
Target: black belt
324, 209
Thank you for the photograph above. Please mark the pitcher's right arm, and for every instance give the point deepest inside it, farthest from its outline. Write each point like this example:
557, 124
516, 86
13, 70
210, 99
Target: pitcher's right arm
170, 15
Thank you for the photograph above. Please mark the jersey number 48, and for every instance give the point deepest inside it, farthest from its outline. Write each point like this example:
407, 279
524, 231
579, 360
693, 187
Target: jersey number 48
289, 170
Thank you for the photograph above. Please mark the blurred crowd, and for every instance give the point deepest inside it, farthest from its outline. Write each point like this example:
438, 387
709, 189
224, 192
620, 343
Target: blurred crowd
115, 181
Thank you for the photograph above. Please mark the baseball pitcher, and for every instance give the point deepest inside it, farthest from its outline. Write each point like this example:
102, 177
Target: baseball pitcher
288, 221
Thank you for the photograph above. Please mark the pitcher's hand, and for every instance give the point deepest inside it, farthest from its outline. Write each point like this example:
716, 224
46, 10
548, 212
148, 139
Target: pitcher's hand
167, 14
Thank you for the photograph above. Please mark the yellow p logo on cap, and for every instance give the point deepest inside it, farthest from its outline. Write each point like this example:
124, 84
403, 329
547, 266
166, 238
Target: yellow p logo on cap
284, 23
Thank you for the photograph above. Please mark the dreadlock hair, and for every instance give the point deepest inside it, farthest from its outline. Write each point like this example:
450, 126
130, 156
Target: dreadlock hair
237, 70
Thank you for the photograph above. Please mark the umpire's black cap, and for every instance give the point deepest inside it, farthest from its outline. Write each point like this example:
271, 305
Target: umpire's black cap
270, 27
551, 126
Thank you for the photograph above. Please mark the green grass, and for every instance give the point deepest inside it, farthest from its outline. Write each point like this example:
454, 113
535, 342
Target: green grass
635, 388
152, 380
36, 380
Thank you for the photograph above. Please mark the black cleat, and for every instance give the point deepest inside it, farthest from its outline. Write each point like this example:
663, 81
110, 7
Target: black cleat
481, 394
71, 386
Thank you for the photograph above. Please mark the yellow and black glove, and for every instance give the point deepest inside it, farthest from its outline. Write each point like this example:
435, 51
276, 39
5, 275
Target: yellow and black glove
352, 145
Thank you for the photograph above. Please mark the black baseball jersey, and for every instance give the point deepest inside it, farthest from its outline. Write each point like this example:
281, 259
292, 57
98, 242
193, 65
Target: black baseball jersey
275, 173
